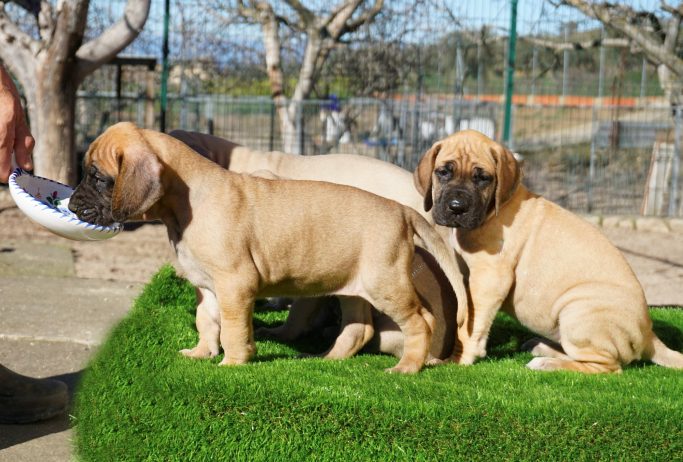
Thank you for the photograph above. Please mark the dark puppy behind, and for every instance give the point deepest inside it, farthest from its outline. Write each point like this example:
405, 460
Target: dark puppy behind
239, 237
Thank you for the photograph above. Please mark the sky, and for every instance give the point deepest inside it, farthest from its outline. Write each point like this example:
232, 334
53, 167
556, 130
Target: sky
533, 16
431, 22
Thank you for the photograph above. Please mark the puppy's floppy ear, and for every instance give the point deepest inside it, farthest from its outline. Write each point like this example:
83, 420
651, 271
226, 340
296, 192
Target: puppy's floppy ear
422, 177
138, 183
508, 174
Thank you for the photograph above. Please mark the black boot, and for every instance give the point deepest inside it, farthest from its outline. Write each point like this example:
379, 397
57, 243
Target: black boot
25, 399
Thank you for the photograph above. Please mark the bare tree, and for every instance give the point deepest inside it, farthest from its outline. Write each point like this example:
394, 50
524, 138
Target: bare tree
322, 32
654, 35
51, 60
381, 58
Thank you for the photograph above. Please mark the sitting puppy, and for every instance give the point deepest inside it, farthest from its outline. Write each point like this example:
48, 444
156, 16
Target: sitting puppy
359, 322
240, 237
556, 273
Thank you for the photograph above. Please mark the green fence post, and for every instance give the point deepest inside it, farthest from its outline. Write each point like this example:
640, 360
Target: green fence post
509, 84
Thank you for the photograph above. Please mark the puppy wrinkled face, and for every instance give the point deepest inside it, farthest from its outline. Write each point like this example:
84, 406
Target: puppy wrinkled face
463, 193
91, 201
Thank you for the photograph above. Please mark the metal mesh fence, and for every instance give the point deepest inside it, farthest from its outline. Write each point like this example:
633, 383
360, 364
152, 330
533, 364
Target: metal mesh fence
594, 131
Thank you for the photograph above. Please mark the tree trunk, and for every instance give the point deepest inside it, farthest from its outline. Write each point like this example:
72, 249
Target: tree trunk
670, 85
291, 112
52, 117
285, 109
289, 125
51, 63
322, 33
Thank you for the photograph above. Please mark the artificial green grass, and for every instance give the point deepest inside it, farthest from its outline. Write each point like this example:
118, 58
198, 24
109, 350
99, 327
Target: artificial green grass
140, 400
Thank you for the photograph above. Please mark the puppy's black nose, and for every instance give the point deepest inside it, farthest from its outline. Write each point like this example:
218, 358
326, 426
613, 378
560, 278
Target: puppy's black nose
76, 205
73, 205
458, 205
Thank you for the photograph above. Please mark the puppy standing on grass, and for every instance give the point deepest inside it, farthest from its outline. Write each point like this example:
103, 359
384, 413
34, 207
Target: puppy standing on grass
359, 322
240, 237
549, 268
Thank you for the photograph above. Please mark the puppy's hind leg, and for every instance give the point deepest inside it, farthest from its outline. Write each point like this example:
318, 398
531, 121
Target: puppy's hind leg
587, 367
400, 302
416, 340
588, 346
356, 328
208, 326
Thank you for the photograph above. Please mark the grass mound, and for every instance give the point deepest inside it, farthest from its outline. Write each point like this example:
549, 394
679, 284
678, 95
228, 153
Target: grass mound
140, 400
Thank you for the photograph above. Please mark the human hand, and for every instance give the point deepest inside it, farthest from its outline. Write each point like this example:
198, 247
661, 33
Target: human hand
15, 135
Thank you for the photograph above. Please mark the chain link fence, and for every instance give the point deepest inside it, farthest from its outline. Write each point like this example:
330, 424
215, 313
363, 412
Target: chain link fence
592, 127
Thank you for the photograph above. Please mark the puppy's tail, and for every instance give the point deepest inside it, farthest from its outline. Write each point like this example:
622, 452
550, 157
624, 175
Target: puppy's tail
665, 356
444, 256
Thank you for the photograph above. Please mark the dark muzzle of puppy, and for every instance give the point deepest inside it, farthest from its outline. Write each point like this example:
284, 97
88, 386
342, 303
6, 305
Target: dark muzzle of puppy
460, 207
91, 200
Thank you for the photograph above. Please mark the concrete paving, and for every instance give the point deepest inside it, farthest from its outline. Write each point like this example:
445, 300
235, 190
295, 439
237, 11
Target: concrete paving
51, 324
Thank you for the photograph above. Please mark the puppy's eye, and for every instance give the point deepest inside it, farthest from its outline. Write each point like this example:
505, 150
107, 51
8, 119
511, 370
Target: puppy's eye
444, 172
481, 178
102, 182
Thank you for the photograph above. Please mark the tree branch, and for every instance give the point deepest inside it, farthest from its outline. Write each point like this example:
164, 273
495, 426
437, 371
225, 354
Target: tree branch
319, 45
366, 17
19, 50
585, 45
249, 13
623, 19
336, 21
678, 11
46, 21
260, 12
102, 49
672, 33
306, 16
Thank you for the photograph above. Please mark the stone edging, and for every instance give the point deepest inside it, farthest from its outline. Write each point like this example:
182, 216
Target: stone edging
636, 222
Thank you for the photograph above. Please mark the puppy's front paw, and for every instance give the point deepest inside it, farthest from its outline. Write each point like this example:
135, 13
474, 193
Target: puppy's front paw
198, 353
403, 370
240, 355
232, 361
466, 358
468, 353
432, 361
